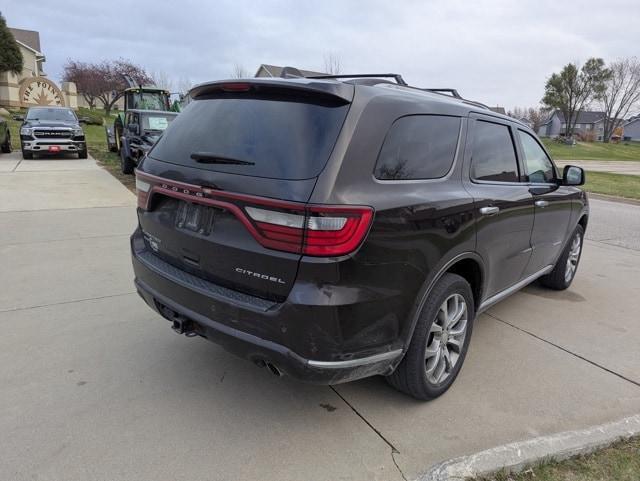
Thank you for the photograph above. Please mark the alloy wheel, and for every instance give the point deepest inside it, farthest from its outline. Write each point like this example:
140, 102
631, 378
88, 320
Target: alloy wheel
446, 339
572, 259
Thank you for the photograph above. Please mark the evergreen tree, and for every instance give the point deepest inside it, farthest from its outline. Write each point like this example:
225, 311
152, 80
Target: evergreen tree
10, 55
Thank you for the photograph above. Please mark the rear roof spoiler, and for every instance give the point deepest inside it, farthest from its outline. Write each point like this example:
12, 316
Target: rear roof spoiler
339, 90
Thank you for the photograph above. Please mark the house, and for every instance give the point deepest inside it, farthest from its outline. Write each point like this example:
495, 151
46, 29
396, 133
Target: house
632, 129
274, 71
589, 125
31, 85
526, 121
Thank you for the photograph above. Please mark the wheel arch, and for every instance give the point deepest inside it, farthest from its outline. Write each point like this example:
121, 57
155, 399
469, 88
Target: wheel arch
584, 220
468, 265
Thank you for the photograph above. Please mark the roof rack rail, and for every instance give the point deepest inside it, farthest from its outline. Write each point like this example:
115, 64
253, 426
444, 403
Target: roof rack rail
396, 76
452, 92
448, 92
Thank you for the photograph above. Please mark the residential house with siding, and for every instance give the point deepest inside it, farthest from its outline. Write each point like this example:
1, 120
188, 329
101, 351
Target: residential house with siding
589, 125
631, 129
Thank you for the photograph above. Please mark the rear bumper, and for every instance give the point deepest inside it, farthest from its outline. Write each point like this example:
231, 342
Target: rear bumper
249, 327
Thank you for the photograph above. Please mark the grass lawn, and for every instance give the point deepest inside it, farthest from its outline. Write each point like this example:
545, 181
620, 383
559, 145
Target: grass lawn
613, 184
593, 150
619, 462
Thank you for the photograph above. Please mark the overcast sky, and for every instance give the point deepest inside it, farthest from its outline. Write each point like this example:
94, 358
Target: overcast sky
497, 52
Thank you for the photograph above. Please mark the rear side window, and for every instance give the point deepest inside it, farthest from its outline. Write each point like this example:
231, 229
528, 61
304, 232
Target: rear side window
280, 138
493, 156
418, 147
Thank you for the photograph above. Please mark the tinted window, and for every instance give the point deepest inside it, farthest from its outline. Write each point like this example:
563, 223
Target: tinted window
493, 157
283, 138
538, 166
418, 147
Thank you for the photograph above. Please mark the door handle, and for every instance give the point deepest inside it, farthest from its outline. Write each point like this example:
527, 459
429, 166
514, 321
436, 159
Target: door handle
489, 210
541, 203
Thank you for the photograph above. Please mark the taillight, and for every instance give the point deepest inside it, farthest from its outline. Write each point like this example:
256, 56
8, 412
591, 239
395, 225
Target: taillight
235, 87
142, 191
314, 230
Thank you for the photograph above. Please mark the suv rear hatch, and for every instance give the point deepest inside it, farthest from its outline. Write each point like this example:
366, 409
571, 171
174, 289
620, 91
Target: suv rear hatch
223, 193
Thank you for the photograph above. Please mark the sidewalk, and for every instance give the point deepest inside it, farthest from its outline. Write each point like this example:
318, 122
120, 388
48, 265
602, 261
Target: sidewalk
629, 167
95, 386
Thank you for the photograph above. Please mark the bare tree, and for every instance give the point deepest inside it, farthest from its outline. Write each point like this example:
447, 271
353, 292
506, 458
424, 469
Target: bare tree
332, 64
113, 74
573, 88
104, 81
621, 94
87, 80
535, 116
161, 79
239, 71
517, 113
184, 85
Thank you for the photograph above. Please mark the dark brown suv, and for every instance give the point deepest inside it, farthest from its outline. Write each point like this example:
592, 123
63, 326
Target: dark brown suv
342, 227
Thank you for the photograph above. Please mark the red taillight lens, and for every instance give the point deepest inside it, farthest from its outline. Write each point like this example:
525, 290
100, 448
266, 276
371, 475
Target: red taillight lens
312, 230
235, 87
142, 191
335, 231
318, 231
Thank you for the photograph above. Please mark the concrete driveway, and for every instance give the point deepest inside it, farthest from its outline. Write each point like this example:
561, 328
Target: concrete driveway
95, 386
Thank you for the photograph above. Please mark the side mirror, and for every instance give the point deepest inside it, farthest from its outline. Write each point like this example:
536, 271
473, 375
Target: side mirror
572, 175
18, 117
83, 120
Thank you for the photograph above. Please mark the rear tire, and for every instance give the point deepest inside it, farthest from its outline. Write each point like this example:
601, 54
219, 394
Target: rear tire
445, 324
6, 147
566, 267
27, 155
126, 164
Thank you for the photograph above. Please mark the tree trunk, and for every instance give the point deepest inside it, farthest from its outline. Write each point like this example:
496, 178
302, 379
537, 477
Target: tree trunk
91, 100
567, 122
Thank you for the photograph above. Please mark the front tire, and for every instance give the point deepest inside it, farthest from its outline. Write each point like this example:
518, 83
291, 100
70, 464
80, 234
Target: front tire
83, 154
6, 147
27, 155
440, 341
562, 275
126, 164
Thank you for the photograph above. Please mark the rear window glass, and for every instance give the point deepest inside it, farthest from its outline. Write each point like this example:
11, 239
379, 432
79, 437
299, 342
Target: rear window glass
264, 137
418, 147
493, 156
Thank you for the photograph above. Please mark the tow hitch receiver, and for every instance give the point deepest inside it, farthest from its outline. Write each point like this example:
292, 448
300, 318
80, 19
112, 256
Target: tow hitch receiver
179, 324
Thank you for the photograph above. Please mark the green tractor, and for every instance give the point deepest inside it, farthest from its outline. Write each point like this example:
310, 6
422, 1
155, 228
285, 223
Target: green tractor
138, 97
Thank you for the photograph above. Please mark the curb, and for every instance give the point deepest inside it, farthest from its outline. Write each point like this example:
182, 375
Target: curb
514, 457
613, 198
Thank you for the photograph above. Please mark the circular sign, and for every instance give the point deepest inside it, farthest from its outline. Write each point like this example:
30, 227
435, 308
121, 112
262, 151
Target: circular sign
40, 91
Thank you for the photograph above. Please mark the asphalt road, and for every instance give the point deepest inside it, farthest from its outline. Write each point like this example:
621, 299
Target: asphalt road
95, 386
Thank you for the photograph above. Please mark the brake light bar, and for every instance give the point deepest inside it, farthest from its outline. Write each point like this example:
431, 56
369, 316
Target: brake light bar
314, 230
235, 87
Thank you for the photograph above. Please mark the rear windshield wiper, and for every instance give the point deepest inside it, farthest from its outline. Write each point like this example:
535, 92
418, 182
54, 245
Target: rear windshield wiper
210, 158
